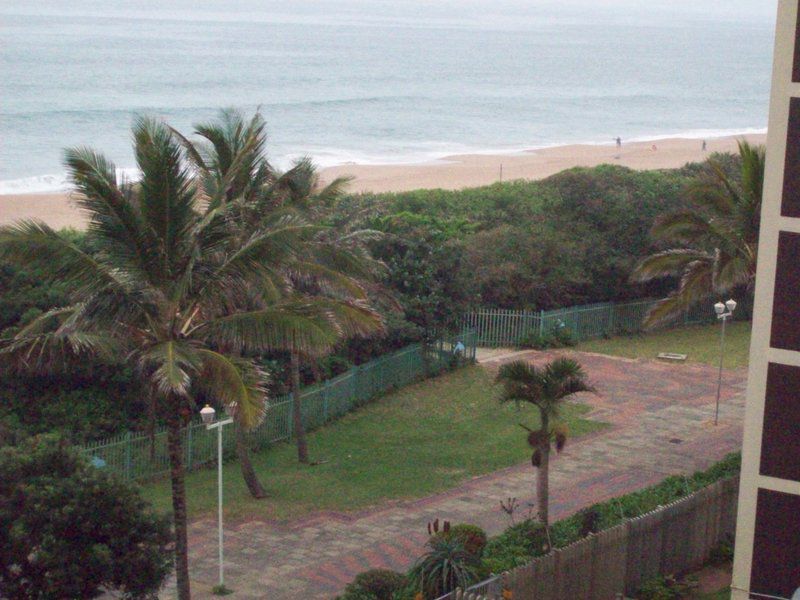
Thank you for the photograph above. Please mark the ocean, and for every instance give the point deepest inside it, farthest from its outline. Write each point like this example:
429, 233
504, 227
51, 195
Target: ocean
373, 81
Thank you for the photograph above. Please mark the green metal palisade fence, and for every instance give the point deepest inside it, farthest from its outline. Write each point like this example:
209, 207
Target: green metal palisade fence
136, 456
501, 327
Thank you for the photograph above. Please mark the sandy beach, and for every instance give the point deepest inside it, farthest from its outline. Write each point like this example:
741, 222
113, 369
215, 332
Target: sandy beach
452, 172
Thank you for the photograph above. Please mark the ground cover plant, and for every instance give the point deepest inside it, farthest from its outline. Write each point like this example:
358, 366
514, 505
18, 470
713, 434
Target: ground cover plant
700, 343
419, 440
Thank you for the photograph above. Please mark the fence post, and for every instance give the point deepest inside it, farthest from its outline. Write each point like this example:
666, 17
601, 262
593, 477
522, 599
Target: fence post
541, 323
611, 318
128, 456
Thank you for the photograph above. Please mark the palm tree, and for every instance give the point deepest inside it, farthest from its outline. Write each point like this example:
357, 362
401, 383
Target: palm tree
164, 287
331, 268
715, 243
546, 388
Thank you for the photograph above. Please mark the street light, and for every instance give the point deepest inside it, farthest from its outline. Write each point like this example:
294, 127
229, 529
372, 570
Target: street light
207, 413
724, 312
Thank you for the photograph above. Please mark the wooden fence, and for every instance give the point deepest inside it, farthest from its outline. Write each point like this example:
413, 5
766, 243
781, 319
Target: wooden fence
135, 455
501, 327
672, 539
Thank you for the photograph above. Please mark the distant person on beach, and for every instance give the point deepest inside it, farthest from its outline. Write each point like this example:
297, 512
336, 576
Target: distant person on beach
619, 142
704, 145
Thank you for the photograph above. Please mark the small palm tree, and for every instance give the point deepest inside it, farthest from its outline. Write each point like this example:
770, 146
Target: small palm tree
166, 287
715, 243
546, 388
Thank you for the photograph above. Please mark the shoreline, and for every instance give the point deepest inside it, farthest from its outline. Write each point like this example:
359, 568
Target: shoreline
449, 172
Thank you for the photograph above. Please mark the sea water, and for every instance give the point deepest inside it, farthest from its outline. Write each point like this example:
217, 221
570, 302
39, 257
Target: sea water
376, 81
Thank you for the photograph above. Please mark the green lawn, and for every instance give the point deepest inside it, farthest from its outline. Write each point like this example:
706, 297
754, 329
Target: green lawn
699, 343
422, 439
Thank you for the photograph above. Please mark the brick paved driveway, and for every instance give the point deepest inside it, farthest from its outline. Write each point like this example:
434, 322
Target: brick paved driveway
661, 423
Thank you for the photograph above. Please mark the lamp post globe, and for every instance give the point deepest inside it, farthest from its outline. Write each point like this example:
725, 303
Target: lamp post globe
719, 308
731, 305
207, 414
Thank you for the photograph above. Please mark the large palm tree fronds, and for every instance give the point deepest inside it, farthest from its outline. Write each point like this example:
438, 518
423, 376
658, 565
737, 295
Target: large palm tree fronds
53, 342
716, 242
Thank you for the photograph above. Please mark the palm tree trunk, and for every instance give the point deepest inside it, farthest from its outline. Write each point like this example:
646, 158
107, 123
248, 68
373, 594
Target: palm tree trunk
248, 472
175, 445
543, 476
297, 414
543, 487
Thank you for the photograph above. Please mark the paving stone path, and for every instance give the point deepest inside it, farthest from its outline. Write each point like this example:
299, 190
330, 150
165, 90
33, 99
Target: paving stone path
661, 423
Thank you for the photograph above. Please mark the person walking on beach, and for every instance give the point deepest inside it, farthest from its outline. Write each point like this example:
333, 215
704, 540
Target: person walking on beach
619, 142
704, 145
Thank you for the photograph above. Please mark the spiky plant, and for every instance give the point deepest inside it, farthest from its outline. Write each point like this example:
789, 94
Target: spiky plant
715, 244
444, 567
546, 388
165, 287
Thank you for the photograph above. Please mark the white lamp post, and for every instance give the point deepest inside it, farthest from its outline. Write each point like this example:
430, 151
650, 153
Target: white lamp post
207, 414
724, 312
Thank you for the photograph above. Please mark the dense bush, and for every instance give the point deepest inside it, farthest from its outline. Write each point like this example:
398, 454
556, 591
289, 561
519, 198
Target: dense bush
570, 239
70, 531
375, 584
559, 337
471, 537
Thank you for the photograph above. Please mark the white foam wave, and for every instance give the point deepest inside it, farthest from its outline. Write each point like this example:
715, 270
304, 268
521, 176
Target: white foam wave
40, 184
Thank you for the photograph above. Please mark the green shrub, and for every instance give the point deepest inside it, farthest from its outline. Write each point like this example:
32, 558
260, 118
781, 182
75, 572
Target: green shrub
515, 546
535, 341
375, 584
664, 588
68, 530
472, 537
563, 337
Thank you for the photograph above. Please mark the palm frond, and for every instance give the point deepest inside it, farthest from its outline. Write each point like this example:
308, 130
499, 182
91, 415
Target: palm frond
668, 262
172, 365
36, 246
51, 342
239, 384
295, 327
167, 195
